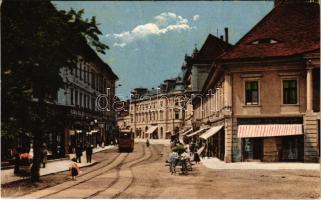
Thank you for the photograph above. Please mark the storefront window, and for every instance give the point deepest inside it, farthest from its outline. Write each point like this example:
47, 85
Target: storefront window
251, 92
289, 91
252, 148
72, 96
292, 148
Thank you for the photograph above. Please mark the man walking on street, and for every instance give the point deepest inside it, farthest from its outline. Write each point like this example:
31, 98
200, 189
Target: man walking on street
89, 152
78, 153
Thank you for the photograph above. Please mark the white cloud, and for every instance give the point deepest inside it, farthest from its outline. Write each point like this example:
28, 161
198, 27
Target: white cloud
119, 44
161, 24
196, 17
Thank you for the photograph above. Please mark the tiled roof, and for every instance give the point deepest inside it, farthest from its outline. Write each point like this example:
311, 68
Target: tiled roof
212, 48
293, 28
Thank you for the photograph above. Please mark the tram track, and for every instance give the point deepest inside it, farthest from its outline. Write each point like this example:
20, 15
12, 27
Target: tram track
157, 155
123, 169
90, 178
129, 167
116, 166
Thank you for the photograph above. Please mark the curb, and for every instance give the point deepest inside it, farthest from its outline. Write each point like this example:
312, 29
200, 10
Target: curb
25, 179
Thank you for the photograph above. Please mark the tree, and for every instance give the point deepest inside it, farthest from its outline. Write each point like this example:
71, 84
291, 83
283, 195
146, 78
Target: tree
38, 41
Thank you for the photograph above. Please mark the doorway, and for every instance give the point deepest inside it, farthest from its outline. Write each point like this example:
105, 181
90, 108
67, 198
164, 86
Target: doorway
252, 149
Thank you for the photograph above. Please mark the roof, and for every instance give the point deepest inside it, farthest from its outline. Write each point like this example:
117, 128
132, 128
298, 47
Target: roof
91, 54
294, 29
212, 48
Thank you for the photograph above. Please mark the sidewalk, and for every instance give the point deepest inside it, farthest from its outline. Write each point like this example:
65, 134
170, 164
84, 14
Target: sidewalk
7, 175
215, 163
165, 142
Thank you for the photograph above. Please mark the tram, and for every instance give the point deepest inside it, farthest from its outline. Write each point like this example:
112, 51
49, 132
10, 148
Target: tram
126, 141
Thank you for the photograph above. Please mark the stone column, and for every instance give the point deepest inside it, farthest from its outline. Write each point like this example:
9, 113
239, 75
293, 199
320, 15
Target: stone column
309, 90
227, 91
228, 139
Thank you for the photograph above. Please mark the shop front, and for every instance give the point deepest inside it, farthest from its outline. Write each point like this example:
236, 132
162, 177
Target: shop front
152, 132
214, 141
272, 142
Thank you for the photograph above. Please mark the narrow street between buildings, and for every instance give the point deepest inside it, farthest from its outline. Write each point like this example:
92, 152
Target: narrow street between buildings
143, 174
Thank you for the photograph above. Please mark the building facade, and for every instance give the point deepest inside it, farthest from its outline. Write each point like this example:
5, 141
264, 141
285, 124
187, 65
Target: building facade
268, 90
159, 113
83, 102
208, 105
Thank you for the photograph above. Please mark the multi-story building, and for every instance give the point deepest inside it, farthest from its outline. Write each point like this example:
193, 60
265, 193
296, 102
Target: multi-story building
199, 66
267, 102
158, 113
83, 102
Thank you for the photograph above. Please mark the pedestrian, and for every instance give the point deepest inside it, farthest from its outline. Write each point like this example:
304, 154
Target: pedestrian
74, 169
89, 152
147, 142
16, 161
44, 154
78, 153
196, 158
173, 158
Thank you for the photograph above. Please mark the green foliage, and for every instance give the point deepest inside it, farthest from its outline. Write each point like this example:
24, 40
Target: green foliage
37, 42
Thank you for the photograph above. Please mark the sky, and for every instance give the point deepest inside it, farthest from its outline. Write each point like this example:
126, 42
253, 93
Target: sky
148, 40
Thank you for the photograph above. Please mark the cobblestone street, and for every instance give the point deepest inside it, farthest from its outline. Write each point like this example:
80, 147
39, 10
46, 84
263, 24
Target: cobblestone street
143, 174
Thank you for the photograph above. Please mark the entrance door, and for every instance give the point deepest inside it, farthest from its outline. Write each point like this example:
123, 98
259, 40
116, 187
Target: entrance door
252, 148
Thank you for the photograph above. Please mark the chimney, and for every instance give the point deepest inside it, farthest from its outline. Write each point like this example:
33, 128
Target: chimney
226, 34
221, 37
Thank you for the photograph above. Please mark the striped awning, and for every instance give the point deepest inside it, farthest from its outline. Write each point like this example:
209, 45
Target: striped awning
197, 132
269, 130
210, 132
188, 131
151, 129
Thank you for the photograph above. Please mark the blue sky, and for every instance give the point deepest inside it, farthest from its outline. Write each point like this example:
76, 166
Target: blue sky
148, 40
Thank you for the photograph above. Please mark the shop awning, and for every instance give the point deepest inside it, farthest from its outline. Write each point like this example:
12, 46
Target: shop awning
213, 130
269, 130
151, 129
197, 132
200, 150
188, 131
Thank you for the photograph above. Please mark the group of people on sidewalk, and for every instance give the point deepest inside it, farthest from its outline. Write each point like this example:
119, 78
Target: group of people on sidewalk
79, 152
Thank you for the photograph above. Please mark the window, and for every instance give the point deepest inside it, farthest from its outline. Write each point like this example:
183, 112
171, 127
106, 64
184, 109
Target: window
93, 82
85, 101
251, 92
81, 69
93, 103
176, 115
88, 101
290, 92
85, 73
76, 97
72, 96
80, 99
77, 70
265, 41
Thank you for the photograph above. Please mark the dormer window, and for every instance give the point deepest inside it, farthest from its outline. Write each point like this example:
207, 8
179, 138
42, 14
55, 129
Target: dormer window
265, 41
